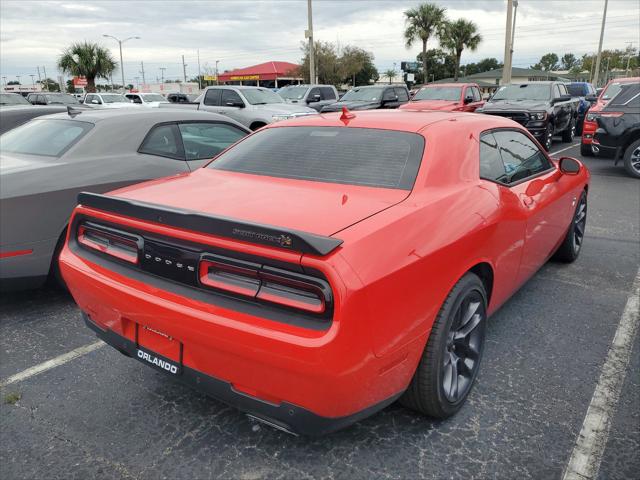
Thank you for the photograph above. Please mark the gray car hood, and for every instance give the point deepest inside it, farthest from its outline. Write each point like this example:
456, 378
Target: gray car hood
284, 108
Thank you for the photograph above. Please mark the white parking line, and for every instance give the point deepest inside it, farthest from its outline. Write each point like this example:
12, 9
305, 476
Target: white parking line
54, 362
564, 149
592, 440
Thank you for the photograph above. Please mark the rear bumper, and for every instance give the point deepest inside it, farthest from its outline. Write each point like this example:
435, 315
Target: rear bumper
284, 415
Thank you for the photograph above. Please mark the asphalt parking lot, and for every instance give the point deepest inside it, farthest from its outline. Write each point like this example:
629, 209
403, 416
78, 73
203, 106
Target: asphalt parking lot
102, 415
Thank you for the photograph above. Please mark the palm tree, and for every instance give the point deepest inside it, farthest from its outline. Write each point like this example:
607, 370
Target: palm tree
90, 60
390, 74
458, 35
423, 22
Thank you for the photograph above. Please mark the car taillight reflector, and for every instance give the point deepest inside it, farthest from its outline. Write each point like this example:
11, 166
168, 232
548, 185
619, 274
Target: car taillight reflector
106, 242
268, 284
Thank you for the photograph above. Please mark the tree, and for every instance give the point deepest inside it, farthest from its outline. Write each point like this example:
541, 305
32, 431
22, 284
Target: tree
49, 85
356, 66
569, 61
439, 63
421, 23
89, 60
547, 63
458, 35
390, 74
13, 82
327, 63
484, 65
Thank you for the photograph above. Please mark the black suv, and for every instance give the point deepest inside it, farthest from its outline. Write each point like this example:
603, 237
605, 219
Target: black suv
371, 98
618, 133
544, 108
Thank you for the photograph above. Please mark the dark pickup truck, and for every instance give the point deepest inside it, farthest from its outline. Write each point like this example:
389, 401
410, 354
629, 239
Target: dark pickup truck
544, 108
618, 133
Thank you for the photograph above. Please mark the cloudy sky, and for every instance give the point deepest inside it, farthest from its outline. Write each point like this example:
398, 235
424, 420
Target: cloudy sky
240, 33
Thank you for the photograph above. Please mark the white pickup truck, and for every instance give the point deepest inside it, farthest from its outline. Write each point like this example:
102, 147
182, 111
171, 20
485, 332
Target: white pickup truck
254, 107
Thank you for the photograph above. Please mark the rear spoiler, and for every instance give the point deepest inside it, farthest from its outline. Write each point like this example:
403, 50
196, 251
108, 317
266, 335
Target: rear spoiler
216, 225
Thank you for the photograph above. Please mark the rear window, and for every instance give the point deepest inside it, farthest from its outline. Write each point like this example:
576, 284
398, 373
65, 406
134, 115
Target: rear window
354, 156
49, 138
577, 90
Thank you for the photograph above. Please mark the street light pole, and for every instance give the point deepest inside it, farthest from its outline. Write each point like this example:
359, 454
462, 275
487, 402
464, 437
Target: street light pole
513, 36
599, 57
506, 69
120, 42
217, 79
162, 69
33, 82
312, 53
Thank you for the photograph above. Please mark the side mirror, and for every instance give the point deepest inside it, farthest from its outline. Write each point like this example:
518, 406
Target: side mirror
468, 99
95, 101
569, 166
562, 98
591, 98
235, 104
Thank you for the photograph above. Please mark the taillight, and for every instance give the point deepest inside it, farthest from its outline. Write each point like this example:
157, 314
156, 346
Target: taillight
272, 285
107, 241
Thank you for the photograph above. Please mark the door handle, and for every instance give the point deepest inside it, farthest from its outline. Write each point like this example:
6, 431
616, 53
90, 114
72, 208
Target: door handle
527, 201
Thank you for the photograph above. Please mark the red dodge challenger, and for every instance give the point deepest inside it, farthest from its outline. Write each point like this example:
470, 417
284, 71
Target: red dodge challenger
326, 266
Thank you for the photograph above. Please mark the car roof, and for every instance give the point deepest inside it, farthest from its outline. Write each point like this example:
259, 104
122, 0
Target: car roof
625, 80
140, 115
400, 120
452, 84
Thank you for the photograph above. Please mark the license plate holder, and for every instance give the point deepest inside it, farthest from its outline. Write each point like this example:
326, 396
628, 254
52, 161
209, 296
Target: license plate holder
158, 350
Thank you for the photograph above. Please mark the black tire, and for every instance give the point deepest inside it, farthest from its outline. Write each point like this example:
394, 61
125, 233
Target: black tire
55, 277
547, 141
579, 127
585, 150
571, 246
431, 391
570, 131
632, 159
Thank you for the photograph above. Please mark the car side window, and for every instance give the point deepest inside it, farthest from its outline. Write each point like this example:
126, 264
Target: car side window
402, 94
135, 98
521, 157
389, 95
206, 140
563, 90
328, 93
491, 165
556, 91
163, 140
212, 97
476, 94
230, 98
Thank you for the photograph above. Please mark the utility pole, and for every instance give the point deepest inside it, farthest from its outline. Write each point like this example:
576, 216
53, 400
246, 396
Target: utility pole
46, 83
513, 37
142, 72
217, 80
39, 79
162, 69
184, 69
630, 50
599, 57
506, 69
312, 53
199, 77
120, 42
33, 83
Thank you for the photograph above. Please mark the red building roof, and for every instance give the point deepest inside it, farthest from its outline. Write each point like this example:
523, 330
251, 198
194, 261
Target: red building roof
263, 71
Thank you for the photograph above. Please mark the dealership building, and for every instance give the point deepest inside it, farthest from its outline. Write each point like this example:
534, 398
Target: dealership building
268, 74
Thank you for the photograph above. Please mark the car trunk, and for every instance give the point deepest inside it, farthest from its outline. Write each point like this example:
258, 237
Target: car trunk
314, 207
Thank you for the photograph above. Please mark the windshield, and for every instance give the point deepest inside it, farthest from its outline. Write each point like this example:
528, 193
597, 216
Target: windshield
114, 98
439, 93
13, 99
62, 99
49, 138
611, 91
528, 91
354, 156
293, 93
261, 96
577, 90
363, 95
153, 97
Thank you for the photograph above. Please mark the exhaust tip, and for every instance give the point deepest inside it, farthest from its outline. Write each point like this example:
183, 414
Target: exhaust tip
271, 424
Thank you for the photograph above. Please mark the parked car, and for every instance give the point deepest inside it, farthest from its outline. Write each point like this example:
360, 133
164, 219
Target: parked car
181, 97
451, 97
108, 101
371, 98
47, 161
298, 276
544, 108
12, 99
589, 127
52, 99
586, 93
314, 96
146, 99
618, 133
12, 116
254, 107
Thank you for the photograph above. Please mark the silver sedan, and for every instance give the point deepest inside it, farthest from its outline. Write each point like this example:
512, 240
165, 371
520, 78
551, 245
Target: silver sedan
47, 161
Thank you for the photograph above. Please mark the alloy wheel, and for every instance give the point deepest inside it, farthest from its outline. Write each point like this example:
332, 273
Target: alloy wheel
549, 139
464, 347
580, 222
635, 159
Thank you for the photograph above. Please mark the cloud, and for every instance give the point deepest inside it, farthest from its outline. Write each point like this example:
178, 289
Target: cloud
242, 32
